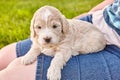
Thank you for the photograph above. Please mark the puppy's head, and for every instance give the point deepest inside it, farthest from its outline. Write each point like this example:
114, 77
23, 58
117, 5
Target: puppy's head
48, 25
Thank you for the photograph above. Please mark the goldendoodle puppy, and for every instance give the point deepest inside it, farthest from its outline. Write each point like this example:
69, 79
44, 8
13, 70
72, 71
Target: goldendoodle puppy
54, 35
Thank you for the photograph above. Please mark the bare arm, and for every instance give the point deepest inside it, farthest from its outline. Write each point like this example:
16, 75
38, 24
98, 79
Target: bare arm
101, 5
96, 8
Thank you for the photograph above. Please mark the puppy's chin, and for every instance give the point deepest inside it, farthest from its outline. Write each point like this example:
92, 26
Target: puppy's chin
49, 45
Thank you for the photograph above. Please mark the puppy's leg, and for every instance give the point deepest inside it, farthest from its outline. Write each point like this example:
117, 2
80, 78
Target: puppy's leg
59, 60
31, 56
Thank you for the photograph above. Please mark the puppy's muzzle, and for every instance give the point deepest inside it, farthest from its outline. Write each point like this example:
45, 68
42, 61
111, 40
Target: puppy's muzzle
47, 39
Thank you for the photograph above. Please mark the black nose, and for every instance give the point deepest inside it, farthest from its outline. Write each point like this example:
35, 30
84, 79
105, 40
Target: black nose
47, 39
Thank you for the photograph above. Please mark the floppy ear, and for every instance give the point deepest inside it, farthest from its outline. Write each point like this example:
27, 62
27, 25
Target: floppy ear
65, 24
33, 34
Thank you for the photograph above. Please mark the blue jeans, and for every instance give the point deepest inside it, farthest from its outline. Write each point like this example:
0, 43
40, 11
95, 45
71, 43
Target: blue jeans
103, 65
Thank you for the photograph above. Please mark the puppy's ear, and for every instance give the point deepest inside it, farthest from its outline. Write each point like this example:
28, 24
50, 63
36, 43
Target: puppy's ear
65, 24
33, 34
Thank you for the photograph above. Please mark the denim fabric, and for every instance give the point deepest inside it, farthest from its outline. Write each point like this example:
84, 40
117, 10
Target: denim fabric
103, 65
23, 47
87, 18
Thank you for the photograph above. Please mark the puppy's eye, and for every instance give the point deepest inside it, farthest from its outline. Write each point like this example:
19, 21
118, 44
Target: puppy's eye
54, 26
39, 27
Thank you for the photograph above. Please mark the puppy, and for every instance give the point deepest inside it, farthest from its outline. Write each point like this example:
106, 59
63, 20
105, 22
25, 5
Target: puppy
54, 35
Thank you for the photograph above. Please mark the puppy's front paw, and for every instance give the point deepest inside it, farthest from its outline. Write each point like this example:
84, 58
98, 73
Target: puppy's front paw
54, 73
28, 59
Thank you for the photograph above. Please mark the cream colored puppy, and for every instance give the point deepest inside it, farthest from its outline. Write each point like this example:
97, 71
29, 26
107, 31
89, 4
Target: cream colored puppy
54, 35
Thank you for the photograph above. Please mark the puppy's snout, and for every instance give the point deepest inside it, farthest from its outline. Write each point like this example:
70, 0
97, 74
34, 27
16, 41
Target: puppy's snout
47, 39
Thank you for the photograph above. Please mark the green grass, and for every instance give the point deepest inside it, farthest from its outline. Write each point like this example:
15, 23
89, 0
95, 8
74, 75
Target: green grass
15, 15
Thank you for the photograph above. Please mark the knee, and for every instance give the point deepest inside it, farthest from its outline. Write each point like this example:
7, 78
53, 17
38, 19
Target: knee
7, 54
15, 62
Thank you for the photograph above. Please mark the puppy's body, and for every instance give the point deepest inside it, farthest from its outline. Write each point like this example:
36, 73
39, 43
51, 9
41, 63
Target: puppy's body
85, 37
54, 35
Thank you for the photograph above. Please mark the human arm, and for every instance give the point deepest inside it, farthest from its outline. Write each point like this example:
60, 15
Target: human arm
96, 8
101, 5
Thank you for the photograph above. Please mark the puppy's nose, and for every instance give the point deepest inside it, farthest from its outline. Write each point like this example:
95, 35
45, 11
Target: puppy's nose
47, 39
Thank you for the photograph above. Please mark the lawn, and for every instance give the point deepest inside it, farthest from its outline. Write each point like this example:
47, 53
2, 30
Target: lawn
15, 15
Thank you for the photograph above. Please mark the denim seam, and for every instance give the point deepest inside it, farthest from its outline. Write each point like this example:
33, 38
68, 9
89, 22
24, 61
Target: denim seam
18, 49
42, 67
107, 67
39, 69
79, 70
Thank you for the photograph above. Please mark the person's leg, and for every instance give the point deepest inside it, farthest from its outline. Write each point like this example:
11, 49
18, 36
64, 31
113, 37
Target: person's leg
7, 54
103, 65
17, 71
10, 52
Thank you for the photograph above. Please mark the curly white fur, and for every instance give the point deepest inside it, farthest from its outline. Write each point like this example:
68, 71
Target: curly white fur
54, 35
